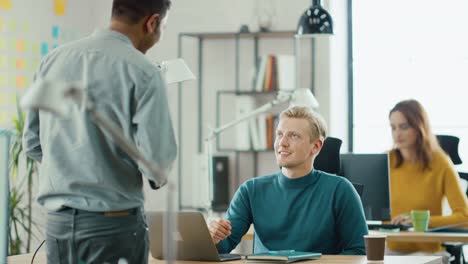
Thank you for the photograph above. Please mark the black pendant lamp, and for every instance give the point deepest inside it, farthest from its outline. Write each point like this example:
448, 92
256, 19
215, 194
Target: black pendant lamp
315, 20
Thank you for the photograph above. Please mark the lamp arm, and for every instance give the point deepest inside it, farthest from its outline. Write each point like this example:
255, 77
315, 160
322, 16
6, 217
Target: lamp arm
128, 147
281, 98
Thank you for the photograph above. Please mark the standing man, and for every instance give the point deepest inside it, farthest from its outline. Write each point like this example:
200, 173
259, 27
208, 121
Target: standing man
91, 188
298, 208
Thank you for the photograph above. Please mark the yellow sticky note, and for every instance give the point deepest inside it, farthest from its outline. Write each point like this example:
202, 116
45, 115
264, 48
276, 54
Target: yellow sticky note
20, 45
26, 46
13, 116
59, 7
3, 79
35, 48
35, 64
12, 24
20, 64
12, 80
12, 63
20, 82
6, 4
27, 82
3, 44
13, 99
26, 27
26, 63
3, 116
3, 99
3, 61
12, 44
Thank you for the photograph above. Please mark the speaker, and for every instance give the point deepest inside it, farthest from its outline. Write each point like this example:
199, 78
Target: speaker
220, 183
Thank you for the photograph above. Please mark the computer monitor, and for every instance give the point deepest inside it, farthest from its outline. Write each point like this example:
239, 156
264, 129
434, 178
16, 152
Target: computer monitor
372, 171
4, 193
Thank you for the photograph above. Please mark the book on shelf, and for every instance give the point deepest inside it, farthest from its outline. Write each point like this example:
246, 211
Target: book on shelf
244, 105
275, 72
285, 256
286, 68
262, 131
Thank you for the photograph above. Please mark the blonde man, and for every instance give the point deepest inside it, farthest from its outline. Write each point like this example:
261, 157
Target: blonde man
297, 208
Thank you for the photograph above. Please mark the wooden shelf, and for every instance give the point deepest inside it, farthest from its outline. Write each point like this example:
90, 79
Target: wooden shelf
248, 92
244, 151
232, 35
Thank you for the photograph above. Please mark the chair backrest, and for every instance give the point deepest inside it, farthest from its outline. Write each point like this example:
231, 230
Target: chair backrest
359, 188
328, 160
450, 145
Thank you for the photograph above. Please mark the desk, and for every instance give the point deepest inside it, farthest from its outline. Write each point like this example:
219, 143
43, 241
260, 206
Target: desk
424, 237
41, 259
409, 236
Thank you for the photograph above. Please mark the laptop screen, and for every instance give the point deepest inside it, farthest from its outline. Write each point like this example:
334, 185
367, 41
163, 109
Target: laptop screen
4, 193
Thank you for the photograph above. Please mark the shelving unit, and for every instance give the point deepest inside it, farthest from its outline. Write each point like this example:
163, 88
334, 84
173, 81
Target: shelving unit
201, 37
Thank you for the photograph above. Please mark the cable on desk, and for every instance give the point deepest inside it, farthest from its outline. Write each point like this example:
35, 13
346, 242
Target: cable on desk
37, 249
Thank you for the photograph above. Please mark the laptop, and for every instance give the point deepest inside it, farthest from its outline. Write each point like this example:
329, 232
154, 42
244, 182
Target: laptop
192, 238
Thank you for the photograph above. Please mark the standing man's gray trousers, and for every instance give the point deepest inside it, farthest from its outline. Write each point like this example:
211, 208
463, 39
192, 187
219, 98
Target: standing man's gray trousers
77, 236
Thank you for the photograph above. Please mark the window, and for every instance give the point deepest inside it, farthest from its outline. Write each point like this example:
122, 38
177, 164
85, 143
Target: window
410, 49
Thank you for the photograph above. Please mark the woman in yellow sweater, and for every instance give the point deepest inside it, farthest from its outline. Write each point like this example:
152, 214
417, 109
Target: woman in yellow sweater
421, 175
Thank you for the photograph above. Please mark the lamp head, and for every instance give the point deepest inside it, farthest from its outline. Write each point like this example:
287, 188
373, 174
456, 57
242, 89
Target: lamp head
315, 20
55, 97
304, 97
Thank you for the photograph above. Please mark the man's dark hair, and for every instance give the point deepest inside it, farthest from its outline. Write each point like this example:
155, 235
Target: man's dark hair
133, 10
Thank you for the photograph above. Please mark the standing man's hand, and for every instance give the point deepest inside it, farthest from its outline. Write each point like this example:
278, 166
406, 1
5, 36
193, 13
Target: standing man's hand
219, 229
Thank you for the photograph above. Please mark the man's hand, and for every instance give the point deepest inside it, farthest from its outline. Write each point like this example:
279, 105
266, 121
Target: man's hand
219, 229
403, 219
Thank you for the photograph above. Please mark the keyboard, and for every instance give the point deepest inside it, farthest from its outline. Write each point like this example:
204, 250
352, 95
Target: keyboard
387, 226
227, 257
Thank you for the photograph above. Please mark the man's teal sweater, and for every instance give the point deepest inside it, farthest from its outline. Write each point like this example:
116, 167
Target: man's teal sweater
318, 212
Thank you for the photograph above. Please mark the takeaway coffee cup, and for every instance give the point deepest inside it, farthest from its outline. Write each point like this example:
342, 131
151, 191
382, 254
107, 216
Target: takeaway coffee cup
375, 247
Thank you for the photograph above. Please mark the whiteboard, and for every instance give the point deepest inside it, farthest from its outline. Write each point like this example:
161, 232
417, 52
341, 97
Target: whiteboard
29, 30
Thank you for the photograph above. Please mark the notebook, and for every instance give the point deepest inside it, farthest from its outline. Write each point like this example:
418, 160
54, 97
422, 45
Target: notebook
286, 256
192, 238
450, 229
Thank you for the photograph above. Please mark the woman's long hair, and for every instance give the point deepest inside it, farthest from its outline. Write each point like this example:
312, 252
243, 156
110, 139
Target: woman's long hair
426, 142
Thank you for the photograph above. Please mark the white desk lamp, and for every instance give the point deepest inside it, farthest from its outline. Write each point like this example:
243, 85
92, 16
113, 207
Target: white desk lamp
298, 97
58, 98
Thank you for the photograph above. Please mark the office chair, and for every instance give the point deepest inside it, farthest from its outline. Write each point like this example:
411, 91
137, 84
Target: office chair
450, 145
328, 160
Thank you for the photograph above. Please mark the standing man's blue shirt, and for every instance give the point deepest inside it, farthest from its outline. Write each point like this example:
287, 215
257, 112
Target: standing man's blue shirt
318, 212
81, 167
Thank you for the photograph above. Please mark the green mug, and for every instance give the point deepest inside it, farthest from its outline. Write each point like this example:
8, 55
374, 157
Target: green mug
420, 219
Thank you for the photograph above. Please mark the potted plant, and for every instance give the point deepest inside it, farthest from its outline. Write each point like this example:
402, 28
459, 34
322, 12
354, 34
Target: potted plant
22, 170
